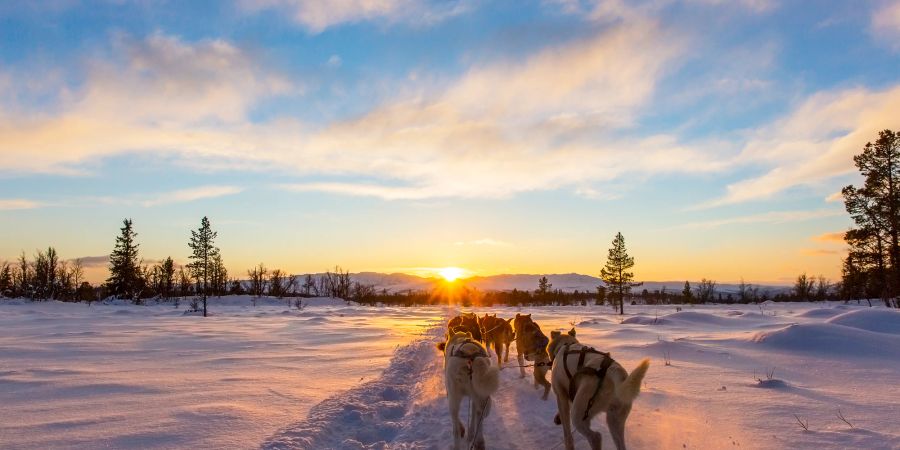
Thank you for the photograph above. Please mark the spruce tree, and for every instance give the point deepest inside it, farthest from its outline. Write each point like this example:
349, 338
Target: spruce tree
875, 208
203, 257
544, 286
167, 275
687, 293
6, 280
124, 272
616, 273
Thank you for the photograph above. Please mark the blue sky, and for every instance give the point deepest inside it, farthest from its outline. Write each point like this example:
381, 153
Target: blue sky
403, 135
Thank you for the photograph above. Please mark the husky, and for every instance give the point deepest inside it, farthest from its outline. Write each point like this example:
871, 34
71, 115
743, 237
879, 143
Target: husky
466, 322
531, 345
498, 333
468, 373
587, 382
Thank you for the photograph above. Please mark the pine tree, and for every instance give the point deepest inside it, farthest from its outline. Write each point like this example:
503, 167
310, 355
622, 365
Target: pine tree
687, 293
6, 280
124, 272
544, 286
616, 273
167, 278
203, 257
875, 208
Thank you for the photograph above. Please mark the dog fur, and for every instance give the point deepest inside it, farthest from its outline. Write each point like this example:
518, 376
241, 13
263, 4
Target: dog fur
615, 397
465, 322
497, 333
468, 375
530, 345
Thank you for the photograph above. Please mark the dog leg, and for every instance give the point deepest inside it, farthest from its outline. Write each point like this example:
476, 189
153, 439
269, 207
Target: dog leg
615, 420
498, 349
540, 378
521, 359
481, 408
506, 355
562, 405
584, 427
457, 427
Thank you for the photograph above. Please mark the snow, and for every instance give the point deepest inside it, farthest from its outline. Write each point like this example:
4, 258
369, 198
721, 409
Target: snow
338, 375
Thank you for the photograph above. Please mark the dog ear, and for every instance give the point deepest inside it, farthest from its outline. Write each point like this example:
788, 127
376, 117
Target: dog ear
528, 316
555, 334
572, 332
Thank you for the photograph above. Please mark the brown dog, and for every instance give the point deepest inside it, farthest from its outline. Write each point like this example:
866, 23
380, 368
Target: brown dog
467, 323
531, 345
498, 333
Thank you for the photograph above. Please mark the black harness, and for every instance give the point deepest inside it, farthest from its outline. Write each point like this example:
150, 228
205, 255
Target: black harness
457, 352
581, 369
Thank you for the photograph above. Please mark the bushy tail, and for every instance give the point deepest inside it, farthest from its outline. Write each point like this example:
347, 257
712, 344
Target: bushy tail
631, 387
485, 377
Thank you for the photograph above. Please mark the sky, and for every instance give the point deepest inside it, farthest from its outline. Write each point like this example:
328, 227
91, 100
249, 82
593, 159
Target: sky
410, 135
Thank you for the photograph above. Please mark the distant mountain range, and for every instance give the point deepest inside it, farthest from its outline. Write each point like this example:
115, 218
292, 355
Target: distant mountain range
568, 282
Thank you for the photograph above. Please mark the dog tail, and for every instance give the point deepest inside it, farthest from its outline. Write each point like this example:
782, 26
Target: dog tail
485, 377
631, 387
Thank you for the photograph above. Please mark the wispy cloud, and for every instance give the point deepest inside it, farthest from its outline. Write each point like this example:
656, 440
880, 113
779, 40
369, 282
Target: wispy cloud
192, 194
483, 242
821, 252
774, 217
885, 23
18, 203
836, 237
318, 15
814, 143
92, 261
835, 197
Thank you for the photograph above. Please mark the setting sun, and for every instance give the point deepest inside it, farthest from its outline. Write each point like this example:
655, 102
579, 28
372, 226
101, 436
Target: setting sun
451, 273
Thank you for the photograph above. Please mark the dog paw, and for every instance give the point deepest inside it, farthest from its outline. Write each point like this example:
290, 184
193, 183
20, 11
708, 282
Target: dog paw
556, 420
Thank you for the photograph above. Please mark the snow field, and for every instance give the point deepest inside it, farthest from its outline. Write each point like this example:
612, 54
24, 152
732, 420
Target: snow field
351, 377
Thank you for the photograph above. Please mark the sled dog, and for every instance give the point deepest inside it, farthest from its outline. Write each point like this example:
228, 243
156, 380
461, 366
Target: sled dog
587, 382
531, 345
466, 322
497, 333
468, 373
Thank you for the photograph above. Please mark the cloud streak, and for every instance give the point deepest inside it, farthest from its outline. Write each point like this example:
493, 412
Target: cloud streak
192, 194
18, 203
774, 217
316, 15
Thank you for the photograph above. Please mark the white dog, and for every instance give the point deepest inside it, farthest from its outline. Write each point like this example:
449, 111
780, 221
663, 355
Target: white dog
587, 382
468, 373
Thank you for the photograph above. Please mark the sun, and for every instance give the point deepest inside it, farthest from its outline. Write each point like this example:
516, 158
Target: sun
451, 274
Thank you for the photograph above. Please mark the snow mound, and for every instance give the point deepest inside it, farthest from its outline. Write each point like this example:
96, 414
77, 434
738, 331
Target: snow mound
645, 320
830, 339
691, 319
821, 313
877, 320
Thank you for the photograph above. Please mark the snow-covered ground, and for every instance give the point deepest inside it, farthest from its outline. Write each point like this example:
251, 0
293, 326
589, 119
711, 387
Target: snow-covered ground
339, 376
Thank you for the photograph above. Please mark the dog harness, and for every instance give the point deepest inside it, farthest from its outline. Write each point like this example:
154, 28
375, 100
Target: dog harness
456, 352
581, 369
